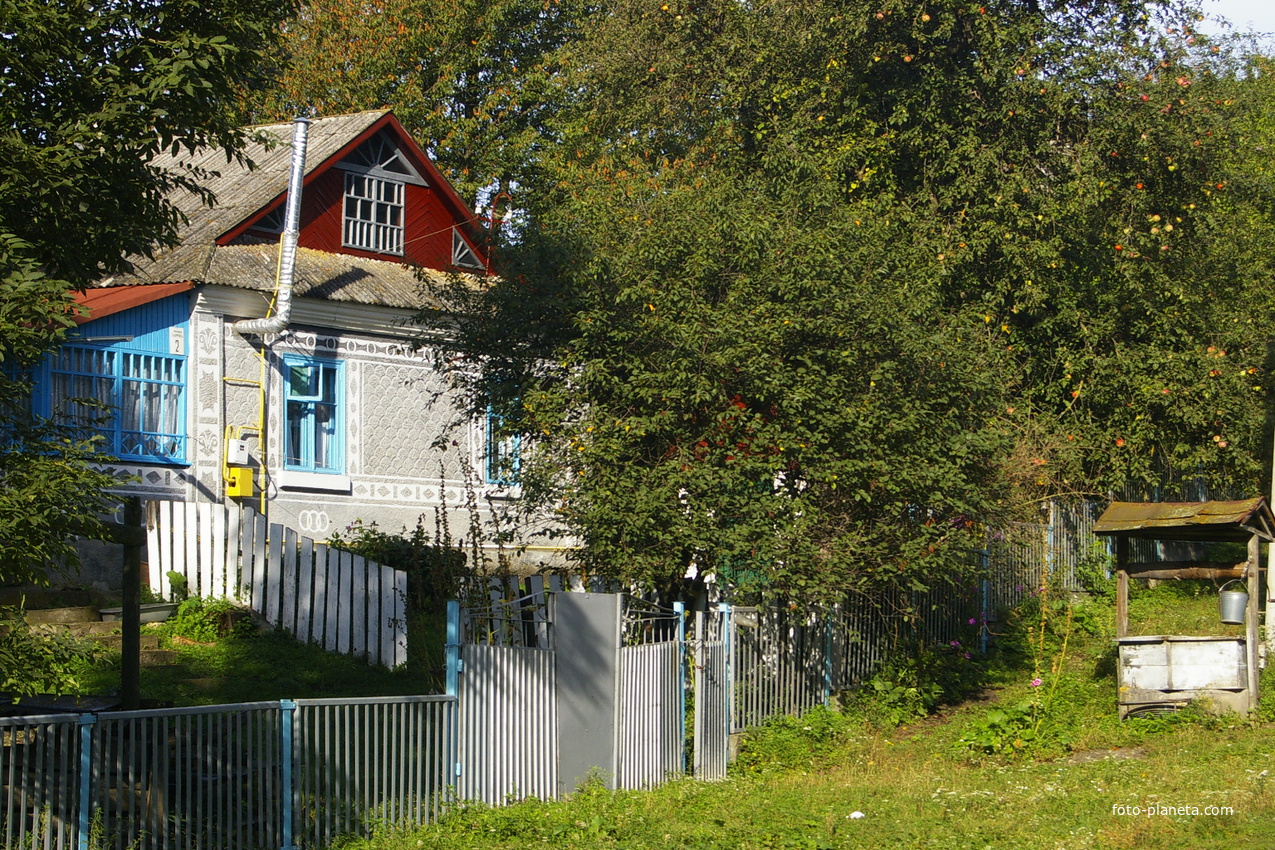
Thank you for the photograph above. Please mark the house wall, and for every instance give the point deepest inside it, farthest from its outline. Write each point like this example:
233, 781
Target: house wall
158, 327
409, 453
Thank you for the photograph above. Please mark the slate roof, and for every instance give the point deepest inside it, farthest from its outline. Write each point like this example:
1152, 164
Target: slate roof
240, 193
319, 274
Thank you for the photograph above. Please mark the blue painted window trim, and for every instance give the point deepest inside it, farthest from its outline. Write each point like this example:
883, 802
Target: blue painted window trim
307, 411
144, 391
504, 453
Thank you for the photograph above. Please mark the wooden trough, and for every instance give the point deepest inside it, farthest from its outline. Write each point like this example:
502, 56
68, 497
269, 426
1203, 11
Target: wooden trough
1161, 671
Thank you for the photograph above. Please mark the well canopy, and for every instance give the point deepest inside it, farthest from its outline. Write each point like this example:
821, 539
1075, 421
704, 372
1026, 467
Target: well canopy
1196, 521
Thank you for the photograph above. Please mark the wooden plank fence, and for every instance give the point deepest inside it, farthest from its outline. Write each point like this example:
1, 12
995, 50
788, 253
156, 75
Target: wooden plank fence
338, 600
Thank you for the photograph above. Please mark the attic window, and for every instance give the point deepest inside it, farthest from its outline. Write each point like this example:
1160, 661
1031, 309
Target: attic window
379, 156
273, 221
373, 219
463, 256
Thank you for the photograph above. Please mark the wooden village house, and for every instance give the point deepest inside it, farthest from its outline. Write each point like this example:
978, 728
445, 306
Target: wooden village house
330, 416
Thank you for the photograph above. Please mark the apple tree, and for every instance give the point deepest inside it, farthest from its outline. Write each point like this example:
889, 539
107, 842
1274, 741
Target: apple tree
812, 291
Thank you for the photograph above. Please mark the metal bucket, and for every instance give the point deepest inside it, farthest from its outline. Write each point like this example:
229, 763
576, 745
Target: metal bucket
1232, 604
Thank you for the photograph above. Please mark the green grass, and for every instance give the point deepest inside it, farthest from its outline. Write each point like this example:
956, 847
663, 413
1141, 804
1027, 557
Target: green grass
269, 666
800, 780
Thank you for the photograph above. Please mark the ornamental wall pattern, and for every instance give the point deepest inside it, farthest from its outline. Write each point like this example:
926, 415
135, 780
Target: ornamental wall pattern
410, 453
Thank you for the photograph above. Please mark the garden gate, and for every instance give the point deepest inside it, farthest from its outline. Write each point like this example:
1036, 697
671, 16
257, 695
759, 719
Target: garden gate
591, 685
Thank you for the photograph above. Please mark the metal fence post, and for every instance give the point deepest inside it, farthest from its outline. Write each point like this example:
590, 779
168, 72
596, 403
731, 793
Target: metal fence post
452, 660
679, 608
289, 709
984, 614
827, 658
728, 663
86, 777
1051, 531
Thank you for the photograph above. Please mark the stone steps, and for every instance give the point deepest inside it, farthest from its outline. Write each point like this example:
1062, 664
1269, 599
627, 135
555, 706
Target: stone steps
95, 628
115, 643
85, 622
63, 616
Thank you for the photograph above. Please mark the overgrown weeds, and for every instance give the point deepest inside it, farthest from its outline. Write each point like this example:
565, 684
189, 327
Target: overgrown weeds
33, 662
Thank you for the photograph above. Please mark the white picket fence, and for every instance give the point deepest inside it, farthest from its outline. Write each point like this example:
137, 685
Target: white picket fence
338, 600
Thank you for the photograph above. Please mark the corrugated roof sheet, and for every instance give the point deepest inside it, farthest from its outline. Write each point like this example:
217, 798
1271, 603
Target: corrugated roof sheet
319, 274
1236, 520
239, 192
106, 302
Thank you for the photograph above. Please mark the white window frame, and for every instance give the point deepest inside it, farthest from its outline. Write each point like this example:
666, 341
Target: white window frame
372, 213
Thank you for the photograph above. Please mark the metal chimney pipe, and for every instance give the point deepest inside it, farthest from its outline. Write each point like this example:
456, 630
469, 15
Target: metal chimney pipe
287, 243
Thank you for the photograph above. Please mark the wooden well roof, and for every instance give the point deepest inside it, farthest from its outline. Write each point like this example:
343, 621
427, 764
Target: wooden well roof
1196, 521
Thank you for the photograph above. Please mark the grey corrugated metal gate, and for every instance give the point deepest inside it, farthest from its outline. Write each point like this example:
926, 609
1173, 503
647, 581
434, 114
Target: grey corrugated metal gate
712, 648
508, 723
553, 690
652, 696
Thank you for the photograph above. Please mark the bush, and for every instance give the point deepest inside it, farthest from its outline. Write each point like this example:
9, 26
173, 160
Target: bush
206, 620
910, 687
32, 663
434, 567
785, 742
1095, 571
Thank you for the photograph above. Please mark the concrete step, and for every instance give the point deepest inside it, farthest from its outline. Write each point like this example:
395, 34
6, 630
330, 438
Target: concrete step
78, 614
92, 629
158, 657
116, 642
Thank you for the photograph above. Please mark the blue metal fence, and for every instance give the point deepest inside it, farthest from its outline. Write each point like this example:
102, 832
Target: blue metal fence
263, 775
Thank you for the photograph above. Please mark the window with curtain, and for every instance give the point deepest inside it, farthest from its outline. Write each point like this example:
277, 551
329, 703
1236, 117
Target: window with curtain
136, 399
314, 433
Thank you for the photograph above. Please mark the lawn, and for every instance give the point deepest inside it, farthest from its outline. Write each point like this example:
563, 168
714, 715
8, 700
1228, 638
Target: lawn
252, 664
1069, 776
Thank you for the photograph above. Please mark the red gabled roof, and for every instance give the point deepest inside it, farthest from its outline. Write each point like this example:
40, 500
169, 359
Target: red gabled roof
420, 160
220, 244
105, 302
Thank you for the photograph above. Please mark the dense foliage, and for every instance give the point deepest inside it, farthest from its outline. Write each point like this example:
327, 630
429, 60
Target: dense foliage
35, 663
468, 79
814, 289
90, 91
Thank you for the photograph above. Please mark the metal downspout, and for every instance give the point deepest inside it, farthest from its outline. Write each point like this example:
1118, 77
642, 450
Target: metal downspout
285, 272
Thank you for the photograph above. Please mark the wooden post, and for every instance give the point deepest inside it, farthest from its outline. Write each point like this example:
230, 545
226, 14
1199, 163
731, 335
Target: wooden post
1254, 559
1270, 604
1122, 587
131, 616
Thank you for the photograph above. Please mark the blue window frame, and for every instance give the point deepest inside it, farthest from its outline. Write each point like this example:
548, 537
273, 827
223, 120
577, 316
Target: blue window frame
135, 399
314, 402
503, 453
123, 376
